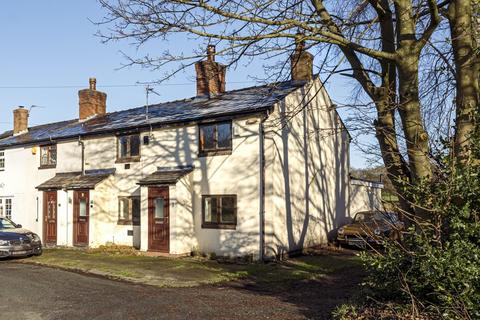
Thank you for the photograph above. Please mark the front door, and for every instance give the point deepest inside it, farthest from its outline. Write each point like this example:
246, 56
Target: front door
158, 214
50, 217
81, 214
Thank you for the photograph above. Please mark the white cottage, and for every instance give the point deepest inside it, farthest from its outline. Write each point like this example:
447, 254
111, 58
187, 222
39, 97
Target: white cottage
259, 171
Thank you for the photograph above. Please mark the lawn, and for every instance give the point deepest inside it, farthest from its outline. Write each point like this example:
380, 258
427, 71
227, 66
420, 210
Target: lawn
193, 271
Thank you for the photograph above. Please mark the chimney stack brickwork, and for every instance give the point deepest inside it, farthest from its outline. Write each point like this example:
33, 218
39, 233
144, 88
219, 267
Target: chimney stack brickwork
210, 75
20, 120
91, 102
301, 63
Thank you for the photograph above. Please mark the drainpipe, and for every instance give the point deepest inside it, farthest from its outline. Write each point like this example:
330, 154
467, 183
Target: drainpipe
262, 185
66, 223
82, 144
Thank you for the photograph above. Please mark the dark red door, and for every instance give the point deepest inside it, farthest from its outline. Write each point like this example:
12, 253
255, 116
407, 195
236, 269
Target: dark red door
158, 214
50, 217
81, 213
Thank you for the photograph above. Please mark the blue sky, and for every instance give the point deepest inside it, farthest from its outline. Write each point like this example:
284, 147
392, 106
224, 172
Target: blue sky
52, 44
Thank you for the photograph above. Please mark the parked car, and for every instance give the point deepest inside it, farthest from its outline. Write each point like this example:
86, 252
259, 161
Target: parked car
16, 241
370, 228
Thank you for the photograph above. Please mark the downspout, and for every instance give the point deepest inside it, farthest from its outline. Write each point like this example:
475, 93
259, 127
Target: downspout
82, 144
66, 223
262, 185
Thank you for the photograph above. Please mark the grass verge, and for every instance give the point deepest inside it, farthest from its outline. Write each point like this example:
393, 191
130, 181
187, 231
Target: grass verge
192, 271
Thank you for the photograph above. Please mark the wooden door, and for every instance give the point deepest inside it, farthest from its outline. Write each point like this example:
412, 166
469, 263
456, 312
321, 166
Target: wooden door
50, 217
81, 214
158, 219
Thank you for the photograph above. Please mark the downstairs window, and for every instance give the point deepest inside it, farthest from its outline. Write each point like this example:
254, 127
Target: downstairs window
129, 210
219, 211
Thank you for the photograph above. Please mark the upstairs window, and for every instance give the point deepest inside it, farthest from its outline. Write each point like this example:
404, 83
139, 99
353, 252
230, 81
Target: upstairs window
219, 211
129, 211
2, 160
128, 148
215, 138
48, 156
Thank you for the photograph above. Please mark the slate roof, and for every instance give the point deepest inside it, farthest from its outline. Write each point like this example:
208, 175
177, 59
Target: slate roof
164, 176
248, 100
75, 180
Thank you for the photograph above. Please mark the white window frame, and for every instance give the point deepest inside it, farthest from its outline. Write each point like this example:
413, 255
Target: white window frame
2, 160
6, 207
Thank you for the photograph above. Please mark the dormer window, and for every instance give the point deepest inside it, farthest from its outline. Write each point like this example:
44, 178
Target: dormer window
48, 156
2, 160
215, 138
128, 148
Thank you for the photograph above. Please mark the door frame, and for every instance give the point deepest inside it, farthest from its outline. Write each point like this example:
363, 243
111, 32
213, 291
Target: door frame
76, 212
149, 218
45, 216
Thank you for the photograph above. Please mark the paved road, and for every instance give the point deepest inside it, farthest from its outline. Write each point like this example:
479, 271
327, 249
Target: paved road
29, 292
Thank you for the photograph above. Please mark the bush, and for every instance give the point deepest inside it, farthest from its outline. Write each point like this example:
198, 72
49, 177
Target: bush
435, 270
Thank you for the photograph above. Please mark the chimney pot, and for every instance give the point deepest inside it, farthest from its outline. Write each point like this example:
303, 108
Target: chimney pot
210, 75
20, 120
91, 102
301, 63
93, 83
211, 53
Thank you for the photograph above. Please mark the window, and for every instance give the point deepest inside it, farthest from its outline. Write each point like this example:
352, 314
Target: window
219, 211
216, 138
83, 208
129, 210
6, 208
48, 156
2, 160
129, 148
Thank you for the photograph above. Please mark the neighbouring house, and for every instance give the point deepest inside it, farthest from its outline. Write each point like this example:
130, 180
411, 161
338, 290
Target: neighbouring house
365, 195
259, 171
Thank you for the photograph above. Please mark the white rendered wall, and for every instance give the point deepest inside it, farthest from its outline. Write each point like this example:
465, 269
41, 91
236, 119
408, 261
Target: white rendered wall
237, 173
306, 171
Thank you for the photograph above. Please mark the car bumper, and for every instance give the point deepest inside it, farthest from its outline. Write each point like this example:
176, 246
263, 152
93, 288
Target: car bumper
20, 250
357, 240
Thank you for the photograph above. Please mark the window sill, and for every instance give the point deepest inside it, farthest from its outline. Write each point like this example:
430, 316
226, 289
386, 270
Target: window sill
124, 223
214, 153
127, 160
219, 226
47, 167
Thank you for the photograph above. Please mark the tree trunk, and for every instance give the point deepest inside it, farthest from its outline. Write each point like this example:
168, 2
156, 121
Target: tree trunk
460, 15
408, 56
416, 138
385, 102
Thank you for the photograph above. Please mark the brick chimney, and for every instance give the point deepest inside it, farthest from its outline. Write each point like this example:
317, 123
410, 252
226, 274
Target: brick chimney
301, 63
91, 102
210, 75
20, 120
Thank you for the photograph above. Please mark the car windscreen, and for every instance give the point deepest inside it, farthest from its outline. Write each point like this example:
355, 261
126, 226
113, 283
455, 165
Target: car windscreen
6, 224
375, 216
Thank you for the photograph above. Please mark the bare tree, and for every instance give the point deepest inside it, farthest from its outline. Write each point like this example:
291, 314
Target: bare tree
382, 41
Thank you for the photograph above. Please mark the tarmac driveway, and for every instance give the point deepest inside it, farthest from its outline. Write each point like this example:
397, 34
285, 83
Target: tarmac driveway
34, 292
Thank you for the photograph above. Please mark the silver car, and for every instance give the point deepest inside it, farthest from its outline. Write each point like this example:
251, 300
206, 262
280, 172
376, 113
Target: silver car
17, 242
